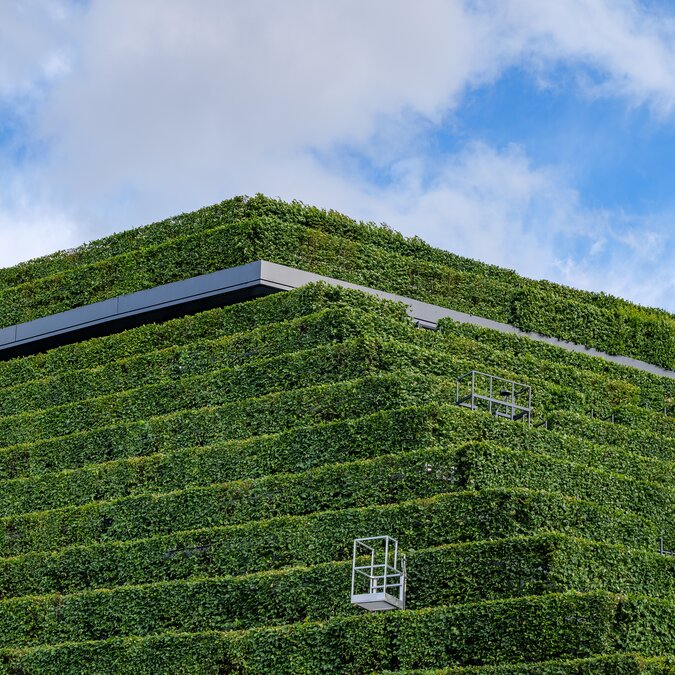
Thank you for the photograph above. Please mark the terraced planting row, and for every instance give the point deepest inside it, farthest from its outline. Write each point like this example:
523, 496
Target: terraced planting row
171, 395
497, 631
522, 566
298, 449
655, 391
196, 358
385, 479
613, 664
211, 324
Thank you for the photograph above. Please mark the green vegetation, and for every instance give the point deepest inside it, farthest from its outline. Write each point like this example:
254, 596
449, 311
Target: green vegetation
183, 497
242, 230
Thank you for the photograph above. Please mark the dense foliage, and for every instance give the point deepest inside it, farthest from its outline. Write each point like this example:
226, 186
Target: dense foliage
183, 497
241, 230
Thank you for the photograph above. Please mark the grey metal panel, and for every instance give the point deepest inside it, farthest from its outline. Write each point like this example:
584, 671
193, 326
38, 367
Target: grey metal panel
204, 285
7, 335
69, 320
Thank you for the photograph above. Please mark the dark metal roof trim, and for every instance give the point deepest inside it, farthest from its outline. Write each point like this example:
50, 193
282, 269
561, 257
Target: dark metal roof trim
227, 287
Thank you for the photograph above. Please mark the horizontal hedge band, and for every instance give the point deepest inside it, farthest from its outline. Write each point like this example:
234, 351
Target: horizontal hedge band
529, 629
455, 574
320, 537
234, 285
295, 450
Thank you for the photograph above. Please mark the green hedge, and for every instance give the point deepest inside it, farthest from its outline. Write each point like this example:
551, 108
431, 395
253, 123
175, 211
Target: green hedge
630, 438
199, 357
439, 576
174, 394
532, 629
295, 213
392, 241
614, 664
307, 540
319, 365
220, 322
608, 324
649, 420
124, 242
294, 450
242, 419
654, 390
386, 479
485, 465
599, 391
239, 243
143, 268
298, 449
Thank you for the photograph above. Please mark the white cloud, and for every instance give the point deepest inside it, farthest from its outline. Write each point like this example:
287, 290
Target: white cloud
32, 38
633, 48
29, 228
161, 106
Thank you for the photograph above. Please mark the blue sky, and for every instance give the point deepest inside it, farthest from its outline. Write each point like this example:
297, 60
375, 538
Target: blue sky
538, 136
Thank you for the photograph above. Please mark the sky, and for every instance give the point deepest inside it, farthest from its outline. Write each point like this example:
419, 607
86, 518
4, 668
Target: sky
539, 136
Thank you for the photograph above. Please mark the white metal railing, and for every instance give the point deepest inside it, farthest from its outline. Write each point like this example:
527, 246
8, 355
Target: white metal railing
496, 395
378, 583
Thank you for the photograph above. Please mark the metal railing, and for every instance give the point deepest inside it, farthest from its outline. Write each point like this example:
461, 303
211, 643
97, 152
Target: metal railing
496, 395
378, 584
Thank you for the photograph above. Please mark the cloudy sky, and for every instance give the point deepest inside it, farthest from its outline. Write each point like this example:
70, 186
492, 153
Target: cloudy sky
535, 135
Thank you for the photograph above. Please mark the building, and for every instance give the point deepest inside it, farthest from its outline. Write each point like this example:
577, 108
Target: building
184, 468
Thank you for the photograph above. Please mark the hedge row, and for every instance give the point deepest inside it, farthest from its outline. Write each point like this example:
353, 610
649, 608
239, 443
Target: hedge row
599, 391
440, 576
296, 213
242, 419
328, 325
318, 365
614, 664
327, 364
180, 258
485, 465
235, 244
332, 222
296, 245
392, 241
654, 390
533, 628
556, 443
649, 420
631, 439
123, 242
294, 450
322, 537
213, 323
634, 332
299, 449
199, 357
386, 479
